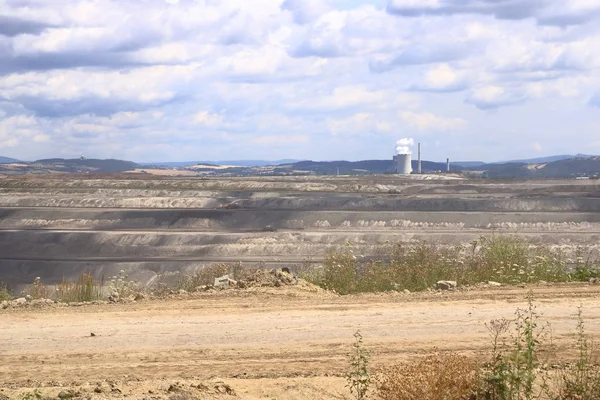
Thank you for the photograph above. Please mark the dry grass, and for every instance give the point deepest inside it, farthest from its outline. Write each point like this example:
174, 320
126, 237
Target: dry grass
37, 290
86, 288
437, 376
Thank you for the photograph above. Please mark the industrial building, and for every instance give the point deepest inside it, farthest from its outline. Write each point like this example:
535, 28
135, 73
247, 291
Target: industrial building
402, 164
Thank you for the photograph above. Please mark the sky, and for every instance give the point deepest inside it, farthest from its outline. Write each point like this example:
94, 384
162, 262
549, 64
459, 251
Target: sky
181, 80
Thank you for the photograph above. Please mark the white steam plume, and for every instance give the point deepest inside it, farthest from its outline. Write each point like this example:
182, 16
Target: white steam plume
403, 146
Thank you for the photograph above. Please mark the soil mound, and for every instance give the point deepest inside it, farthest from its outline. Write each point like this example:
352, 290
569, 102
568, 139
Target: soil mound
268, 278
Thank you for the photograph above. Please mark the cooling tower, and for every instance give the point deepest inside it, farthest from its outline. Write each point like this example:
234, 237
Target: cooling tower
403, 164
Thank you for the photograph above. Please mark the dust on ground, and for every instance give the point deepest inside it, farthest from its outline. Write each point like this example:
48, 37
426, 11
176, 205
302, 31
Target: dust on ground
285, 343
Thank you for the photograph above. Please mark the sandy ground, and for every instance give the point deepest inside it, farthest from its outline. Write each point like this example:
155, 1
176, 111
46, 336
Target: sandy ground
275, 343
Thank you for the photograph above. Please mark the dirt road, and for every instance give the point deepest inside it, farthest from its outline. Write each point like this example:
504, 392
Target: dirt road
252, 338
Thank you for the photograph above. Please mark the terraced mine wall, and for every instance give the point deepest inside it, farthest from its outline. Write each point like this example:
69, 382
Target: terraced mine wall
55, 227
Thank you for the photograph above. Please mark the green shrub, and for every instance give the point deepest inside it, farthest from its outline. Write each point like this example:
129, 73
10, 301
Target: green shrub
513, 372
418, 266
5, 294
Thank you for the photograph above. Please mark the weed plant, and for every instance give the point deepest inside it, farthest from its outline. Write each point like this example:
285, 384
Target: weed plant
358, 376
5, 294
519, 350
585, 268
37, 290
86, 288
121, 286
418, 266
582, 380
513, 372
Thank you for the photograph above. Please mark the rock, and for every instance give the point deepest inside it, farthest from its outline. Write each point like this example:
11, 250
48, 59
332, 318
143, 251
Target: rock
28, 297
224, 388
20, 301
67, 394
492, 283
222, 281
182, 292
445, 285
406, 291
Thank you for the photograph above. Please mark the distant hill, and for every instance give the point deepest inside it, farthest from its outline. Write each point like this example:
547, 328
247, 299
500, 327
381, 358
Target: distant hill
72, 165
547, 159
239, 163
468, 164
355, 167
8, 160
574, 166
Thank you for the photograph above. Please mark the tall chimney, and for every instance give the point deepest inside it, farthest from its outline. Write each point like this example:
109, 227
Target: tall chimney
419, 162
447, 165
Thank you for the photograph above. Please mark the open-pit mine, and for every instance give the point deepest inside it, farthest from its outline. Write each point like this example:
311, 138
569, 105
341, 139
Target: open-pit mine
278, 342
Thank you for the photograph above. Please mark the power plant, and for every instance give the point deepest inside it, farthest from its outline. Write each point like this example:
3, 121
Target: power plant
403, 163
403, 158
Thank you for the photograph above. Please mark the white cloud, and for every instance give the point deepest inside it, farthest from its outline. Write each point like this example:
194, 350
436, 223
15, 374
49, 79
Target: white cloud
281, 140
536, 146
491, 96
359, 124
429, 122
166, 78
208, 119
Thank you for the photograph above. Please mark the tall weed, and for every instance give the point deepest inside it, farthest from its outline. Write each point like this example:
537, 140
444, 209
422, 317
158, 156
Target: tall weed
418, 266
86, 288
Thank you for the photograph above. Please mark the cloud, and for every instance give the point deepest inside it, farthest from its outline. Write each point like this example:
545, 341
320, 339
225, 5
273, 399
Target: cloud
422, 54
491, 97
595, 100
429, 122
14, 26
442, 78
546, 12
504, 9
536, 146
318, 78
305, 11
281, 140
358, 124
207, 119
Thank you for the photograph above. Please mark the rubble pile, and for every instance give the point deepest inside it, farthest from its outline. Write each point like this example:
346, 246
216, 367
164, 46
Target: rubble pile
268, 278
